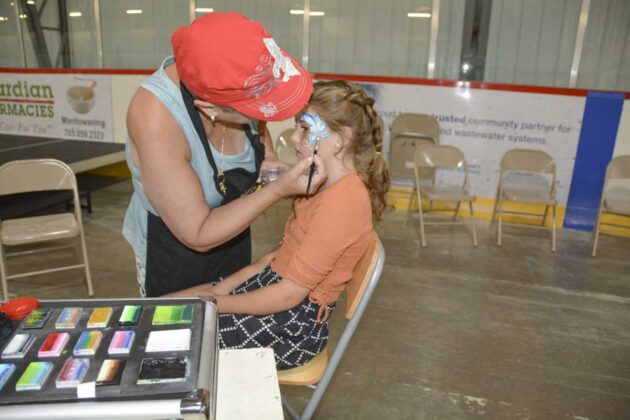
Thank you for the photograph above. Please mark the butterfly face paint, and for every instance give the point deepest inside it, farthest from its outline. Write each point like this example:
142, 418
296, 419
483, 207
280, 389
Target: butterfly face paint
317, 127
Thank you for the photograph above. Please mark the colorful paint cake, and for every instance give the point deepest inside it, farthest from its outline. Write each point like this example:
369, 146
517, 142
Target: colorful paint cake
130, 315
53, 345
121, 342
18, 346
88, 343
37, 318
69, 318
99, 318
174, 314
111, 372
72, 372
34, 377
6, 370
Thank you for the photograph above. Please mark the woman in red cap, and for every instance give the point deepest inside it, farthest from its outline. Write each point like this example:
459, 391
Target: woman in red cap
194, 151
284, 299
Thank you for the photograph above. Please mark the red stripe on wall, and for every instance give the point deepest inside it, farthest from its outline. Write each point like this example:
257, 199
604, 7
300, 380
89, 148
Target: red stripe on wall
77, 71
30, 101
549, 90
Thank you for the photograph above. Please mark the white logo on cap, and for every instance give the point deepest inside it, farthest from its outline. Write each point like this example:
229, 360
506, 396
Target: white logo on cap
281, 63
268, 109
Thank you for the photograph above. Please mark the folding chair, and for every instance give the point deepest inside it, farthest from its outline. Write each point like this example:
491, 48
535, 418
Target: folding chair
408, 133
284, 147
534, 163
40, 175
615, 198
435, 157
320, 370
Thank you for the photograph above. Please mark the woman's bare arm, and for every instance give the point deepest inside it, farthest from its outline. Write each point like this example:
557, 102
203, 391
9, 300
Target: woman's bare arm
173, 187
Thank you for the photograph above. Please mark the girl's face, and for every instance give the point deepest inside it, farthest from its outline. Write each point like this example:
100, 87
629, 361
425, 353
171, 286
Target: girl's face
303, 138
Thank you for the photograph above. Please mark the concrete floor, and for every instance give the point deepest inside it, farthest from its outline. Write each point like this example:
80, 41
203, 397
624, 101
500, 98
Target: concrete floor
452, 332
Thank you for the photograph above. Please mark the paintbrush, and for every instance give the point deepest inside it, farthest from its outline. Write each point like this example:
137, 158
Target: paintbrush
313, 167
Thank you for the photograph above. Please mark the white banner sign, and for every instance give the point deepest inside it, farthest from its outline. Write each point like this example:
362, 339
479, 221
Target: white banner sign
64, 106
485, 124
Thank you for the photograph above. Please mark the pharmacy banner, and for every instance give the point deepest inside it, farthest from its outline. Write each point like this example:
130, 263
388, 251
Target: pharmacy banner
485, 124
63, 106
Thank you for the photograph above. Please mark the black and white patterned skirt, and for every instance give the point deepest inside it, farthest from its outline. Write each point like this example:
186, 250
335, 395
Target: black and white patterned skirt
295, 335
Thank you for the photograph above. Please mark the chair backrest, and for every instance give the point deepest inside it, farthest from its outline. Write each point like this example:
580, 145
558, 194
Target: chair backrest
21, 176
284, 147
528, 160
441, 156
408, 133
619, 168
416, 123
368, 271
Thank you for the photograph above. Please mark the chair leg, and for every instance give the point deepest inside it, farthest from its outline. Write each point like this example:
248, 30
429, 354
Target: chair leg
456, 210
494, 209
596, 231
500, 205
409, 203
88, 276
423, 240
553, 228
287, 406
3, 274
544, 219
472, 222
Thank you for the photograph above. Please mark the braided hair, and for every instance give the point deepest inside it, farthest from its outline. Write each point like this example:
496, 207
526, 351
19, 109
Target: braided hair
343, 104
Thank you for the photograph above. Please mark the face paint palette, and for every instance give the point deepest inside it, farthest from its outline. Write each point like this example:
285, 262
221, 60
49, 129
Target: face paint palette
6, 370
88, 343
34, 377
99, 318
69, 318
121, 342
176, 314
111, 372
53, 345
65, 351
72, 372
18, 346
36, 319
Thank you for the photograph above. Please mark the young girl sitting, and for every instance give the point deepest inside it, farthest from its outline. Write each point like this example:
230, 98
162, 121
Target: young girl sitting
284, 299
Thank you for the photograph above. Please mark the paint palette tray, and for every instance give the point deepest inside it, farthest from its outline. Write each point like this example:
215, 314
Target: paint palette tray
97, 353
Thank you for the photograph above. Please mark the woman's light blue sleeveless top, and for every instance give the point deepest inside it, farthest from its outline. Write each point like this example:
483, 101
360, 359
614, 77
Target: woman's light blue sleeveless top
135, 224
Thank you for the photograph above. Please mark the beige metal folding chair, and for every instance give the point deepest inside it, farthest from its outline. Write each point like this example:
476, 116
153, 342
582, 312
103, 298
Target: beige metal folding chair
433, 157
408, 133
284, 147
40, 175
616, 197
320, 370
532, 162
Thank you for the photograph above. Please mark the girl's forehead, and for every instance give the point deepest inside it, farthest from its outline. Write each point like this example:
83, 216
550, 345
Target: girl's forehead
300, 116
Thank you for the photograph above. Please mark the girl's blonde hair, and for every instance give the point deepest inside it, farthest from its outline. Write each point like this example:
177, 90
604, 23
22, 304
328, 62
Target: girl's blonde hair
343, 104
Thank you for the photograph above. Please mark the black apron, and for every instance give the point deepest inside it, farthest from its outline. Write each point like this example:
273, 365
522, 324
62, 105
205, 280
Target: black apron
171, 265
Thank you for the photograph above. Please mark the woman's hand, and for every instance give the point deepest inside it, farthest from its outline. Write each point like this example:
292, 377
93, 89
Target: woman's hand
269, 163
294, 181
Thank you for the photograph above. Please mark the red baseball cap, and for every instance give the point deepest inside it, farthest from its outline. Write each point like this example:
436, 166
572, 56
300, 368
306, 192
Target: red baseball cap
229, 60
